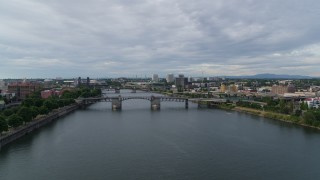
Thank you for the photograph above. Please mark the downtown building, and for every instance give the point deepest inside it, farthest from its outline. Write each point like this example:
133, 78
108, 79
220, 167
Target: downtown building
3, 86
282, 89
181, 82
155, 78
23, 89
170, 78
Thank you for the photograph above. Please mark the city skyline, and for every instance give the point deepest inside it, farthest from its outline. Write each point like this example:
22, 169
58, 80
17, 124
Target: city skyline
141, 37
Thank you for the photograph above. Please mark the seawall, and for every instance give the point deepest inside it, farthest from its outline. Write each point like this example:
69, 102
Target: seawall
21, 131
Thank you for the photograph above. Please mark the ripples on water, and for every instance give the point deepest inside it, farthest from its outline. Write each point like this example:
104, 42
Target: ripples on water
173, 143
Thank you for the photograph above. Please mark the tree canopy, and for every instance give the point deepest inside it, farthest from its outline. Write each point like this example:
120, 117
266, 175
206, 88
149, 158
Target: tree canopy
3, 124
15, 121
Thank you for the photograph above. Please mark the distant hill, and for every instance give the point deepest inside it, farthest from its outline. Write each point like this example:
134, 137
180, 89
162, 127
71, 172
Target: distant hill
271, 76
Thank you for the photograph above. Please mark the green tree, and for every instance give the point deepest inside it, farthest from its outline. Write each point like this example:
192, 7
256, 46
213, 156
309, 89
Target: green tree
3, 125
85, 94
43, 110
291, 107
34, 111
282, 105
49, 104
15, 109
35, 95
304, 106
25, 113
8, 112
15, 121
55, 104
28, 102
298, 112
70, 101
38, 102
61, 103
309, 118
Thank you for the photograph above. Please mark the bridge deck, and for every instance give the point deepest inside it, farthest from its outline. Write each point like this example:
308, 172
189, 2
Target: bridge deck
123, 98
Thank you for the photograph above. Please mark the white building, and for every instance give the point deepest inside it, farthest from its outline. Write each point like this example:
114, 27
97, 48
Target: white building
313, 102
155, 78
170, 78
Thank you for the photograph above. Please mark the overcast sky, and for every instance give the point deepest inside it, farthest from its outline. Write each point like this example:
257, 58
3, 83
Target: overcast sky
110, 38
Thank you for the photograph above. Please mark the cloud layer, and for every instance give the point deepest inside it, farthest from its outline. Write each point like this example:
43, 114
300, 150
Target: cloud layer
109, 38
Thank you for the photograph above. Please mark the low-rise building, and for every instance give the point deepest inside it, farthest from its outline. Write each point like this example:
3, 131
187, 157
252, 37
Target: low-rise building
223, 88
3, 85
48, 93
228, 89
314, 89
313, 102
281, 89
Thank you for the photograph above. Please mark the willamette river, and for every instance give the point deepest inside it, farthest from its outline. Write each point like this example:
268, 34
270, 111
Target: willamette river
173, 143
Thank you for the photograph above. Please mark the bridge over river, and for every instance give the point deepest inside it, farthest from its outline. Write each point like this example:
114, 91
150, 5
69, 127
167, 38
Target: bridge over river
155, 101
116, 101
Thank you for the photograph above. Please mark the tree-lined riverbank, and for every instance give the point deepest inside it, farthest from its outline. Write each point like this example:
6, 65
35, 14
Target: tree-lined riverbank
40, 121
270, 115
35, 112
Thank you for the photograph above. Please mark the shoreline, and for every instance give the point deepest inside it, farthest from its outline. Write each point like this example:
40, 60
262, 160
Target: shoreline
57, 113
266, 114
36, 123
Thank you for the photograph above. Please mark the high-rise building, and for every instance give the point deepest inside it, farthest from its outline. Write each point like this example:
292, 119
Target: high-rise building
155, 78
88, 81
170, 78
181, 82
79, 81
23, 89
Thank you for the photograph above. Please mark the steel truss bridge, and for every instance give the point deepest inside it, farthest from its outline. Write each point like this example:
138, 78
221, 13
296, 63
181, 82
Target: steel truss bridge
117, 100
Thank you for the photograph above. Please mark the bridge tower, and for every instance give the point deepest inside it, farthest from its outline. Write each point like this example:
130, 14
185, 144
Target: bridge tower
116, 103
186, 103
117, 90
134, 90
155, 103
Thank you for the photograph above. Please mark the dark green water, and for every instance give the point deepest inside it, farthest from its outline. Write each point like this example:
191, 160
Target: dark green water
173, 143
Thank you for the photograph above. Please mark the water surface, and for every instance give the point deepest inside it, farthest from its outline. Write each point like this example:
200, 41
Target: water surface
173, 143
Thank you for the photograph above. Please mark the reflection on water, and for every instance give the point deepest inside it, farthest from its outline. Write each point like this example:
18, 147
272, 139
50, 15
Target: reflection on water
173, 143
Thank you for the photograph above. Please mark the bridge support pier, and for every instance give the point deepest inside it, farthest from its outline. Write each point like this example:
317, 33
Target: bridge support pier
186, 103
117, 91
155, 103
116, 104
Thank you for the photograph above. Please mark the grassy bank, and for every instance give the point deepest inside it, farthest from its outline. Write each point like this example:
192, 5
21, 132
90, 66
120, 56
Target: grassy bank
270, 115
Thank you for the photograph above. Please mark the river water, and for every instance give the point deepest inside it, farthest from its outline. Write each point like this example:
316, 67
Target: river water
173, 143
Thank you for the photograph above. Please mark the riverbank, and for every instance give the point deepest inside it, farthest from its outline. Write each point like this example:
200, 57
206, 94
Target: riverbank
270, 115
36, 123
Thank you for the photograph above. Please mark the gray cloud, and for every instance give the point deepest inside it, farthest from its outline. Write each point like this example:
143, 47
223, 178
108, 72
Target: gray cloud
139, 37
